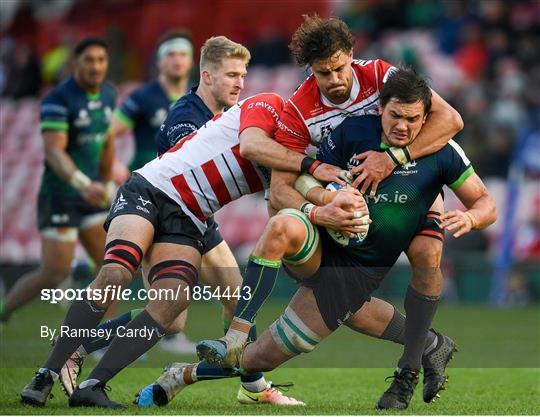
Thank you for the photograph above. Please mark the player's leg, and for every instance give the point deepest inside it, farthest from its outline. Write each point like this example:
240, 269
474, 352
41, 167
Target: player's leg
298, 330
220, 269
290, 236
423, 347
57, 250
92, 236
128, 238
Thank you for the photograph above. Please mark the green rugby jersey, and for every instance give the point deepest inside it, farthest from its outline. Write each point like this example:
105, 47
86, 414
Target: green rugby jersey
403, 199
85, 118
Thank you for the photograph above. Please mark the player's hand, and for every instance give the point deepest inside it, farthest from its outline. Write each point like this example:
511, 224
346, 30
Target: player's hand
345, 213
95, 193
331, 173
458, 222
376, 166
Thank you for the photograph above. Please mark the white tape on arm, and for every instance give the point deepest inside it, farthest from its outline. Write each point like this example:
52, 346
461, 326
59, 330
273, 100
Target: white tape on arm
306, 182
79, 181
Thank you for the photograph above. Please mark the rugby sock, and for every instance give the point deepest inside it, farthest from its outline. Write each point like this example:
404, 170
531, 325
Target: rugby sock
91, 345
395, 332
420, 309
256, 377
82, 315
203, 371
124, 350
261, 275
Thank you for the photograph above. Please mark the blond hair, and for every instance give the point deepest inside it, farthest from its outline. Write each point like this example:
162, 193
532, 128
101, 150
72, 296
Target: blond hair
218, 48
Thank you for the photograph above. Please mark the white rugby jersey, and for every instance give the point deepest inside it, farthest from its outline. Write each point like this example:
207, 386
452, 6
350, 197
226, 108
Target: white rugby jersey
205, 171
308, 117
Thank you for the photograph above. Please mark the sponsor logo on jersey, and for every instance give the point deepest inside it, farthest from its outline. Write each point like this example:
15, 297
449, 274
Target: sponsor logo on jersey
83, 119
93, 105
407, 169
395, 197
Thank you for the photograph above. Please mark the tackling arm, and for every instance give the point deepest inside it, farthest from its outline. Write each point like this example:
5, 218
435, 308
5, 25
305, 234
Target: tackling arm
442, 124
257, 146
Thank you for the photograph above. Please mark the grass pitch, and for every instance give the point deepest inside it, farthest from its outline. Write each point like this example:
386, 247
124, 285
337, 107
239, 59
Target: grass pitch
497, 370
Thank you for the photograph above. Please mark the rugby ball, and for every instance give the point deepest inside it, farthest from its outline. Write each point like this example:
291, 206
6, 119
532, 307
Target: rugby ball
340, 238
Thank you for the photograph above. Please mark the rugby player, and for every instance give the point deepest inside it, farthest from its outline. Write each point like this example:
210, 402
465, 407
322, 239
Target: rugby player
74, 195
146, 108
336, 281
223, 67
143, 111
339, 88
161, 214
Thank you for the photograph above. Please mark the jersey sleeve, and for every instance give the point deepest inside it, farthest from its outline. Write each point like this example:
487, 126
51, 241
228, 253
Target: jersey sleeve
293, 132
54, 113
454, 165
262, 111
130, 110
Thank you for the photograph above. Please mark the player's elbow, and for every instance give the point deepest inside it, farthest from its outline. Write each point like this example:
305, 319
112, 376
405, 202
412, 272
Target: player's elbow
492, 210
248, 149
455, 121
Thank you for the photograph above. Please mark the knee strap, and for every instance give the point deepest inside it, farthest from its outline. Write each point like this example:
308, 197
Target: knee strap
292, 335
310, 243
123, 252
175, 269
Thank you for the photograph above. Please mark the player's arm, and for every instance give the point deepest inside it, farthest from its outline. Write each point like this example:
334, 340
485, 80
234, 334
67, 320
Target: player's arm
107, 158
257, 146
443, 122
338, 214
62, 165
481, 209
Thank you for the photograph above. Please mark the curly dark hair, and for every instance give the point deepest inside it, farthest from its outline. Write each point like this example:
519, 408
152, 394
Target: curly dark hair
320, 38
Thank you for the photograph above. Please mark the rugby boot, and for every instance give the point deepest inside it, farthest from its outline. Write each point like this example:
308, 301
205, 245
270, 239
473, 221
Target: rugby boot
401, 390
166, 387
435, 363
93, 396
220, 352
270, 395
70, 371
38, 389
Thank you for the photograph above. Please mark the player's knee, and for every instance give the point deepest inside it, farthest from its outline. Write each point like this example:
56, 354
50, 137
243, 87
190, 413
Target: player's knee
425, 253
292, 335
112, 275
170, 296
54, 276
